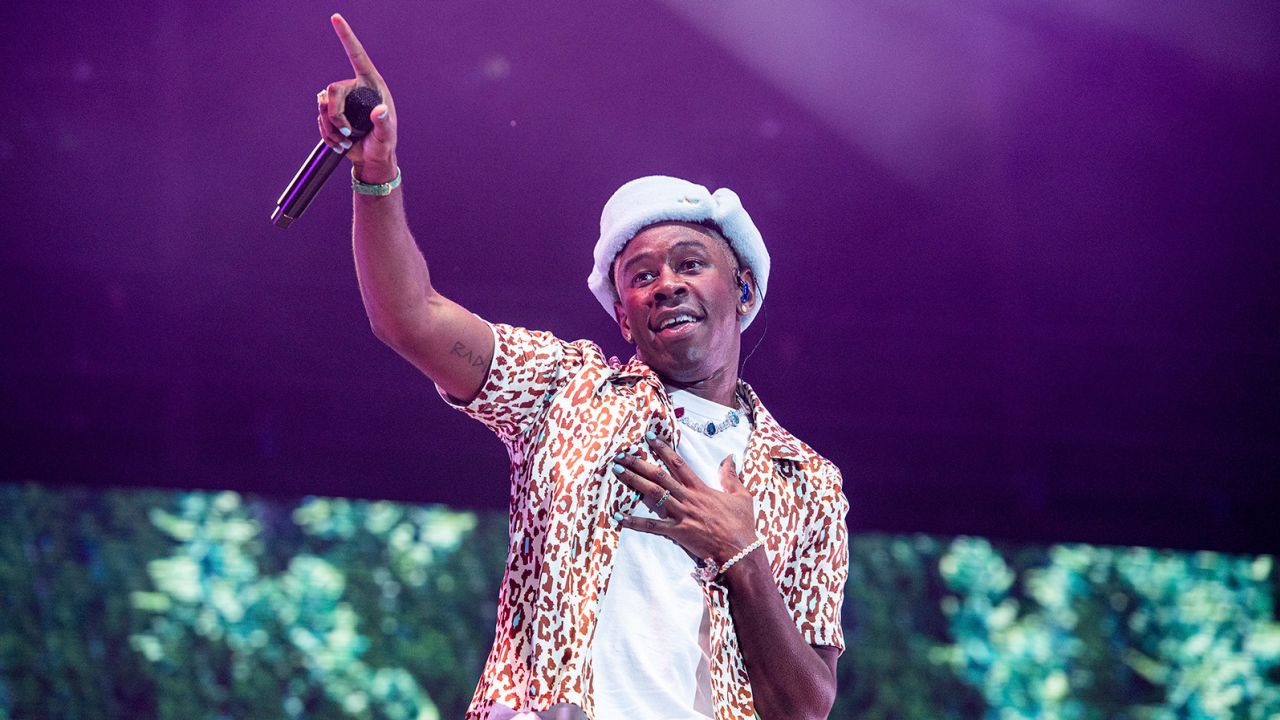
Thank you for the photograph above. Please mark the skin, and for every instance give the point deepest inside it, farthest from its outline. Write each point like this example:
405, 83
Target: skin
666, 268
682, 268
439, 336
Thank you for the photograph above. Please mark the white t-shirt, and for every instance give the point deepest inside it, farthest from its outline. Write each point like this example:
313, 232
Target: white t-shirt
650, 651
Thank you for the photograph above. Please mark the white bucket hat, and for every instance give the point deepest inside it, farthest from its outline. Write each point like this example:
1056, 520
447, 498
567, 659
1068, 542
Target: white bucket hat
658, 198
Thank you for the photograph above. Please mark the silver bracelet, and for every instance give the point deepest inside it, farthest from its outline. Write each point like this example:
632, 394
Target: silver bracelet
376, 189
708, 570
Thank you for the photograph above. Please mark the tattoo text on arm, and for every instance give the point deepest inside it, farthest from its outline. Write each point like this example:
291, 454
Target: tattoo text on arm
475, 359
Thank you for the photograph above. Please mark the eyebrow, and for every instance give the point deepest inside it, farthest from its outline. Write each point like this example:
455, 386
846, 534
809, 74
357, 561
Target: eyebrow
680, 245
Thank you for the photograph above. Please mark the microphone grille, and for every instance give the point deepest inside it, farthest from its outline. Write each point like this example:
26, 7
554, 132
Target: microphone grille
360, 104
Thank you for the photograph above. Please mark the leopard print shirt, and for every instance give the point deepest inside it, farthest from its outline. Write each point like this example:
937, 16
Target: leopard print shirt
563, 411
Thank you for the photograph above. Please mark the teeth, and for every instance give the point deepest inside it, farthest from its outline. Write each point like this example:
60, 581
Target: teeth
673, 320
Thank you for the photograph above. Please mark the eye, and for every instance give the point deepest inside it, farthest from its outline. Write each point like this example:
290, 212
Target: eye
643, 277
692, 264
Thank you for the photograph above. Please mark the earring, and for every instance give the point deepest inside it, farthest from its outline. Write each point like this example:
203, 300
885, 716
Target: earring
746, 292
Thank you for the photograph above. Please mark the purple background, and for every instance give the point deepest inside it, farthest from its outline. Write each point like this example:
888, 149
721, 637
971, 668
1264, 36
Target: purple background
1025, 278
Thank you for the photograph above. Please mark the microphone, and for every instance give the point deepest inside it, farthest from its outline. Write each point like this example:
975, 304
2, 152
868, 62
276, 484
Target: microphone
322, 161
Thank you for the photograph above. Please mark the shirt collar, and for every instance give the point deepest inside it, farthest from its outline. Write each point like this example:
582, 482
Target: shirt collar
775, 440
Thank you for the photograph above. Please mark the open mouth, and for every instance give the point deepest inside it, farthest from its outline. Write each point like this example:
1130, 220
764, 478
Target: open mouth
677, 325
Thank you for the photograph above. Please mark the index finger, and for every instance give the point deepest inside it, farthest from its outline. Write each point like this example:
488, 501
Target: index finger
360, 61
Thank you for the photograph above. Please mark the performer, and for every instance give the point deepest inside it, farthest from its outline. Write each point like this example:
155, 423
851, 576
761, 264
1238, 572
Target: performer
647, 575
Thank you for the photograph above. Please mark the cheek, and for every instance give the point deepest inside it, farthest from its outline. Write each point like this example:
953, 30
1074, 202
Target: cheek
634, 311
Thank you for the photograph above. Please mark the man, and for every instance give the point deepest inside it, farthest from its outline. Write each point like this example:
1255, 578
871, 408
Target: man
646, 577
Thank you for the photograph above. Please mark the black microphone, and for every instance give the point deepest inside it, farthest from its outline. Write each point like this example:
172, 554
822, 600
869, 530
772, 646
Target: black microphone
322, 161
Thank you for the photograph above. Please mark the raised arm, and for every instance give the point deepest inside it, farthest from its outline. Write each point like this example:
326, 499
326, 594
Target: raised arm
440, 337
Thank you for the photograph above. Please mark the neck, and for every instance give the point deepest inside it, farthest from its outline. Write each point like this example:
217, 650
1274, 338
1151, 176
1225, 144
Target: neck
721, 387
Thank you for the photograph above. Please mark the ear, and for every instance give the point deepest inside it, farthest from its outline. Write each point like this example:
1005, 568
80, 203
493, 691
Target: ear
744, 306
624, 325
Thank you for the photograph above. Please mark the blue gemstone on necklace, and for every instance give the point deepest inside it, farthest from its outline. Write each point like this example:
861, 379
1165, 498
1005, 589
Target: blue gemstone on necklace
733, 418
711, 428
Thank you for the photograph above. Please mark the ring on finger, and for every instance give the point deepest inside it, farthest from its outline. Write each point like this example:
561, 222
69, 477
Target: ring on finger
666, 495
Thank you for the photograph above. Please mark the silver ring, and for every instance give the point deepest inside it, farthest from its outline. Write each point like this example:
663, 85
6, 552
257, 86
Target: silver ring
666, 494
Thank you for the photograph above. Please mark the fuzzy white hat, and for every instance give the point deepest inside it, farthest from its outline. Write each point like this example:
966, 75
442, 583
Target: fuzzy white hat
658, 198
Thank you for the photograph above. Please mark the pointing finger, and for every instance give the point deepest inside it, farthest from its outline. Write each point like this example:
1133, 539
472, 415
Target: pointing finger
360, 61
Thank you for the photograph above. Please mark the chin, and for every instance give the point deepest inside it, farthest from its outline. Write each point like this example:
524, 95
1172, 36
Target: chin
679, 366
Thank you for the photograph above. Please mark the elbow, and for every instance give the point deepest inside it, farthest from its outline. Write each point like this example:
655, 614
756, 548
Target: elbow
824, 704
820, 710
814, 705
815, 710
383, 332
819, 706
402, 325
396, 336
394, 329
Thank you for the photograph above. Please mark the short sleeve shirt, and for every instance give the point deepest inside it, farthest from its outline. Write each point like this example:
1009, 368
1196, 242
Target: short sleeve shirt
562, 411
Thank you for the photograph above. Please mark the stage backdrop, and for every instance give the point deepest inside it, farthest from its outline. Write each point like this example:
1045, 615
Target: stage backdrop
1025, 265
211, 605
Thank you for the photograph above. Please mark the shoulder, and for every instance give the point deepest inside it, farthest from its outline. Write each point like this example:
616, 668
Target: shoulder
823, 472
781, 443
519, 340
517, 346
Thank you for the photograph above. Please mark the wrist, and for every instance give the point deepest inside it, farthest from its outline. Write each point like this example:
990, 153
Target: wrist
753, 563
375, 172
709, 569
375, 189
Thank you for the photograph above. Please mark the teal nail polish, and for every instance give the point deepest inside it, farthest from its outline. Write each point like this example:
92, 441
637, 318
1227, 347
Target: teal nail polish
650, 435
346, 144
346, 132
619, 456
618, 469
617, 516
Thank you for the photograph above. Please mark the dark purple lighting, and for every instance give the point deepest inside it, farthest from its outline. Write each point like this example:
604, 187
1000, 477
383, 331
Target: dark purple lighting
1025, 254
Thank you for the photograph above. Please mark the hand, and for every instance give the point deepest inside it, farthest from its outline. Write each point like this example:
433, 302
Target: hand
703, 521
374, 156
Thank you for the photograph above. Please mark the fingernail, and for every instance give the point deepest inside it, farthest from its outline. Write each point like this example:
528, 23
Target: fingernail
617, 469
383, 115
637, 499
346, 144
619, 456
617, 517
346, 131
650, 435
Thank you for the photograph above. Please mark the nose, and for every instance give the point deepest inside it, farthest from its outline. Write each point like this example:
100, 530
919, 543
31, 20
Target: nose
669, 285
